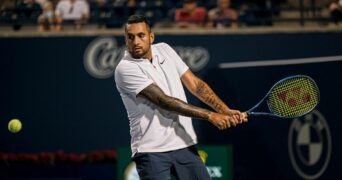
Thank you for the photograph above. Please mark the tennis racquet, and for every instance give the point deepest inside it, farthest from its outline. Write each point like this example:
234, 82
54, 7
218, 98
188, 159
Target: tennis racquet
291, 97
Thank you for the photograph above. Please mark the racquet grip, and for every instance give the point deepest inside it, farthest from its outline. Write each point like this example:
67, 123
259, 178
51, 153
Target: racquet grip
245, 115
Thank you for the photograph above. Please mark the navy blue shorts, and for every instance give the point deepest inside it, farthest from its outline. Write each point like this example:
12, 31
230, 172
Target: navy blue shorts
183, 164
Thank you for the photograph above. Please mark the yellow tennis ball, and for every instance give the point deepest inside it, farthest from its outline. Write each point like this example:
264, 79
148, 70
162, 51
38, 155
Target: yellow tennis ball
14, 125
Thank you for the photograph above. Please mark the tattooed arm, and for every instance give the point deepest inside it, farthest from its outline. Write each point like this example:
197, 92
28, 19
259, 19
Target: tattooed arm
203, 92
158, 97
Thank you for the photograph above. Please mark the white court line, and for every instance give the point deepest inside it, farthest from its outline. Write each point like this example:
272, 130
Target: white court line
280, 62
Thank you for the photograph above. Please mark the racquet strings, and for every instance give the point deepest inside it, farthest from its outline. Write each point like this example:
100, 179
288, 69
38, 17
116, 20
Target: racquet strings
293, 97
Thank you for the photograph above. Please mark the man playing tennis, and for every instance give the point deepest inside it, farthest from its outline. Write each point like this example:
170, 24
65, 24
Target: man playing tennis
150, 81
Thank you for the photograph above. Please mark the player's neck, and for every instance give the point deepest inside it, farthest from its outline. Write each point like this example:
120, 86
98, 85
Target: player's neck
149, 56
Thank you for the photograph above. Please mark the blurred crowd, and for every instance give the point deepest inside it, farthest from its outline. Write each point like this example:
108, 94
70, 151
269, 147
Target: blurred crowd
53, 15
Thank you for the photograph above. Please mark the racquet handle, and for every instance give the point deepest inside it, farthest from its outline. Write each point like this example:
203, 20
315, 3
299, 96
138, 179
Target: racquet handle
245, 115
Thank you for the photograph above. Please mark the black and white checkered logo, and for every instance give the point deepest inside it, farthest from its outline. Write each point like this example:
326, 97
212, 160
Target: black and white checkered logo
309, 144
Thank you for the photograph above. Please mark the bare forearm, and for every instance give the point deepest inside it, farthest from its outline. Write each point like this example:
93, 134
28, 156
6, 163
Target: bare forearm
183, 108
156, 95
207, 95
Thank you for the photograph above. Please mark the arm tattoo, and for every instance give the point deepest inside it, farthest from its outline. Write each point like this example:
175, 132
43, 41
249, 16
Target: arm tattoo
207, 95
158, 97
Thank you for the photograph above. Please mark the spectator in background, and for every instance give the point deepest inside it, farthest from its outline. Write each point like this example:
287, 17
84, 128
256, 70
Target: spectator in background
28, 4
26, 11
118, 3
6, 4
128, 3
222, 16
100, 11
46, 21
6, 8
41, 2
75, 11
190, 15
335, 9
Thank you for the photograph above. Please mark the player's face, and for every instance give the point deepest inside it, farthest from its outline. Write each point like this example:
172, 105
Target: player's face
138, 40
223, 4
190, 6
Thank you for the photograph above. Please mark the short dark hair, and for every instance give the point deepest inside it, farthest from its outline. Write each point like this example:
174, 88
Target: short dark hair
189, 1
137, 18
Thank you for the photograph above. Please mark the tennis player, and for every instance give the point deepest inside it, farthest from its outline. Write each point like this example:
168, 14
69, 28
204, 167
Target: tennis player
150, 79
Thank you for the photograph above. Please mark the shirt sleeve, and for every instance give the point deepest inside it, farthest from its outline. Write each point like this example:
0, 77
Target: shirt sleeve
129, 78
177, 60
178, 15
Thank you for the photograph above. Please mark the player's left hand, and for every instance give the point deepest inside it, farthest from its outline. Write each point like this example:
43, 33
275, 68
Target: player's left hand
238, 116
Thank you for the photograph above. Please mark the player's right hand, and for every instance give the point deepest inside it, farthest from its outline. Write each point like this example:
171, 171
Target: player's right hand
222, 121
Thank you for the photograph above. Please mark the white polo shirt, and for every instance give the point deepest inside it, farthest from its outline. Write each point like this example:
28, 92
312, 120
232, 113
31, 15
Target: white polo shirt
152, 128
72, 11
